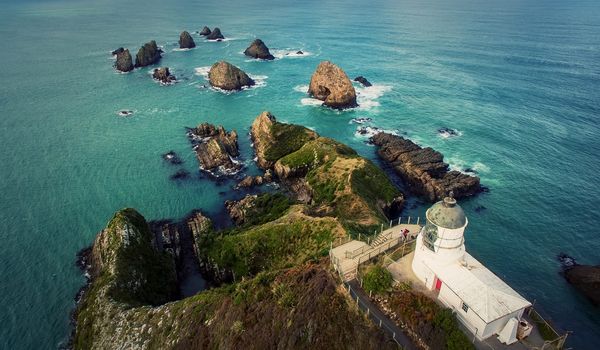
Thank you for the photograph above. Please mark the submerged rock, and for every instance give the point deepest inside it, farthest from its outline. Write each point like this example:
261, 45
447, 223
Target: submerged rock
330, 84
205, 31
423, 169
215, 34
226, 76
124, 113
148, 54
448, 132
186, 41
172, 158
258, 49
124, 61
163, 75
181, 174
215, 149
363, 81
299, 52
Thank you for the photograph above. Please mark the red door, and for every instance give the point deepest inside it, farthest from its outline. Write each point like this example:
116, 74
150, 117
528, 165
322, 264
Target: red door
438, 284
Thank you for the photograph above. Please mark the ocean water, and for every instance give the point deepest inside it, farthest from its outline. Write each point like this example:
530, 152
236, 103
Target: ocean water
519, 80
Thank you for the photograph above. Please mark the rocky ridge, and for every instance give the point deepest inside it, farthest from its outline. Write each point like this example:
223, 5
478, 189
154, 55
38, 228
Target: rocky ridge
423, 169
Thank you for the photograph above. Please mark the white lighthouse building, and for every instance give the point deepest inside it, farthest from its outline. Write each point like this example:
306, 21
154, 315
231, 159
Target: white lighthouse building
481, 300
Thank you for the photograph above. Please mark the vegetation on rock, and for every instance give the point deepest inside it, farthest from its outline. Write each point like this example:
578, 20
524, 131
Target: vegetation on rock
377, 279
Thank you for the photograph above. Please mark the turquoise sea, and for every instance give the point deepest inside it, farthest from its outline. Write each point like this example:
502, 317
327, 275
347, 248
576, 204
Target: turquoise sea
519, 80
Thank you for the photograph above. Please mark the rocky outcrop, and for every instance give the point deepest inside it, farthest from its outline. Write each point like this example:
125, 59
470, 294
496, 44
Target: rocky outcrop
273, 140
215, 34
585, 278
258, 49
186, 41
172, 158
363, 81
164, 76
215, 149
226, 76
252, 181
330, 84
123, 62
148, 54
205, 31
237, 209
423, 169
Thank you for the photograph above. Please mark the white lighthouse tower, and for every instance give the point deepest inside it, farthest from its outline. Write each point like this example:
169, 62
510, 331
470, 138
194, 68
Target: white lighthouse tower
480, 299
441, 241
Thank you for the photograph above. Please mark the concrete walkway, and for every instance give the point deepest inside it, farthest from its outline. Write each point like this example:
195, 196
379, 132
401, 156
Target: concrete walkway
378, 317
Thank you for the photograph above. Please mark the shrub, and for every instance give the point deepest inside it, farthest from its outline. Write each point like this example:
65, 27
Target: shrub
377, 279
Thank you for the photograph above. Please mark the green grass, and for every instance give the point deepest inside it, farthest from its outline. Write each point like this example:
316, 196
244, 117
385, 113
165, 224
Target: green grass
287, 139
267, 207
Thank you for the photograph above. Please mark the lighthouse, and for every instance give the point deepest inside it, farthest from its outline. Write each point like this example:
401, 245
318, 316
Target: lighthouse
481, 301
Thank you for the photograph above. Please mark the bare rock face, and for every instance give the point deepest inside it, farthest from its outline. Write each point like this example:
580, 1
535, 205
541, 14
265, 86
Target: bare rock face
237, 209
186, 41
205, 31
423, 169
148, 54
215, 34
163, 75
329, 83
258, 49
124, 62
226, 76
215, 148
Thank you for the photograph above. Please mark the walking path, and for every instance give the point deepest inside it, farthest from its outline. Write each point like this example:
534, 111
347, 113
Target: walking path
378, 317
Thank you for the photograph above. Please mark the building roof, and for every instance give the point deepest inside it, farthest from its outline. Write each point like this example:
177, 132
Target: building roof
447, 214
484, 292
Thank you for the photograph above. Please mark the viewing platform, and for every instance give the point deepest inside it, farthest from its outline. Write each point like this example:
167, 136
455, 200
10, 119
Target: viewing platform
348, 255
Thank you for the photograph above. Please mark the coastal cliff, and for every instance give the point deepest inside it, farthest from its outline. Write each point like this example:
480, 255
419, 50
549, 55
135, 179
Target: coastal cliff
271, 287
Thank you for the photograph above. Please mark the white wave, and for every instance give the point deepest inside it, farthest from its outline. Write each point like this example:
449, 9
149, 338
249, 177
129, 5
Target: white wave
178, 49
220, 40
289, 53
367, 97
480, 167
308, 101
202, 71
370, 131
125, 112
446, 133
301, 88
360, 120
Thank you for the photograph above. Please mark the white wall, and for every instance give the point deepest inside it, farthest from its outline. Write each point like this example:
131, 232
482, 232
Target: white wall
470, 319
496, 326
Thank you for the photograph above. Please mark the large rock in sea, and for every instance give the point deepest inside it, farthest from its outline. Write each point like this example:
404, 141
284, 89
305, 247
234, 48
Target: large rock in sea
205, 31
586, 279
226, 76
258, 49
423, 169
148, 54
186, 41
215, 148
329, 83
124, 62
163, 75
215, 34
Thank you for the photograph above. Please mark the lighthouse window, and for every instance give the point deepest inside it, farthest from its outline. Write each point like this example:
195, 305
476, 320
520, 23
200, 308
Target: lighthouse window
465, 307
430, 235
